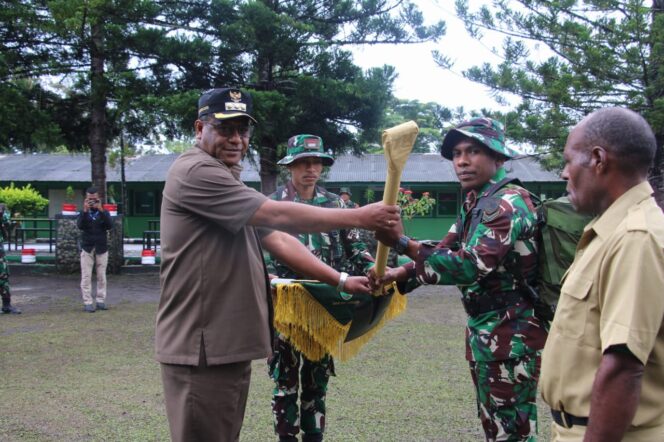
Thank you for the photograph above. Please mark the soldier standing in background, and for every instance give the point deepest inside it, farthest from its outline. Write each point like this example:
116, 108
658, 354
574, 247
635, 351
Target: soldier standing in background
346, 196
341, 250
7, 307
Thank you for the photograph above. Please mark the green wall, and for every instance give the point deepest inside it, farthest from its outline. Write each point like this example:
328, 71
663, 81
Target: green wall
144, 203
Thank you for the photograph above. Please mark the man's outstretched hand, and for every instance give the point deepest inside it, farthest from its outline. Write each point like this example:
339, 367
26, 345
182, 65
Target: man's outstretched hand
377, 216
391, 274
357, 285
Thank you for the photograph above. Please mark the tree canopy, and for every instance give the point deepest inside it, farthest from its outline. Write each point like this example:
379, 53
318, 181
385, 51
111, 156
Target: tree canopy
602, 53
79, 73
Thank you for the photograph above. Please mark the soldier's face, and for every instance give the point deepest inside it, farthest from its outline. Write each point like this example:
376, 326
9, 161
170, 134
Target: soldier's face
581, 183
228, 143
306, 172
474, 164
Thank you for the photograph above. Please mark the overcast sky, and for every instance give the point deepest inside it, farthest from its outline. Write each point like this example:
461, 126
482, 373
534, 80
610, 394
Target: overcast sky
420, 78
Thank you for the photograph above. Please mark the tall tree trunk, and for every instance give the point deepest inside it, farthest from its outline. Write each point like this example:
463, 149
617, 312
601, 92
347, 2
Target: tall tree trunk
98, 94
656, 88
268, 163
268, 146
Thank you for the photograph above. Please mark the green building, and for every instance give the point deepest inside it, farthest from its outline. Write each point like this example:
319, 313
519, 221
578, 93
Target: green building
144, 179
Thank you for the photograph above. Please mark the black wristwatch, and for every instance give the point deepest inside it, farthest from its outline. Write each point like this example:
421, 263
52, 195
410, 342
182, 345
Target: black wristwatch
402, 245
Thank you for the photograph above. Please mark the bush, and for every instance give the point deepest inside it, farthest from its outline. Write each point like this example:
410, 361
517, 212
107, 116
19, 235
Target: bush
25, 200
414, 206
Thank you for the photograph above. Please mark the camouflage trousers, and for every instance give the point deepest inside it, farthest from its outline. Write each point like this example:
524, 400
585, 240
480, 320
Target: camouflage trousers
284, 369
4, 278
506, 397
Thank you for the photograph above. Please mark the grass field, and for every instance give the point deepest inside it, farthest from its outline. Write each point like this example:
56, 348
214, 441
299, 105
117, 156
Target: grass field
69, 376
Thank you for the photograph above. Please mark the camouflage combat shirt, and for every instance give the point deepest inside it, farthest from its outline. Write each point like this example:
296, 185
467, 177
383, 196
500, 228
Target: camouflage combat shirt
5, 225
476, 265
342, 249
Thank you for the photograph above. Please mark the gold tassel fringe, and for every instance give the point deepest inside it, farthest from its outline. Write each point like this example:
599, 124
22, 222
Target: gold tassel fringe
311, 329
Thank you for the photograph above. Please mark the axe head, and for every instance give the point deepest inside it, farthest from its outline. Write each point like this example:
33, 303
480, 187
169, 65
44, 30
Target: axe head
398, 141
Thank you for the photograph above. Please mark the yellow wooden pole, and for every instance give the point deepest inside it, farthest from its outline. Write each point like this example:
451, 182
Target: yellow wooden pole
398, 142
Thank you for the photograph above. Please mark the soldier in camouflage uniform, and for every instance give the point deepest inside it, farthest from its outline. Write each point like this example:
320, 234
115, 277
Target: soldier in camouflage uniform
7, 307
346, 195
340, 249
504, 338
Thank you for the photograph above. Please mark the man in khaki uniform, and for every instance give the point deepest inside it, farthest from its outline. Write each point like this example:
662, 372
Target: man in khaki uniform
603, 363
214, 314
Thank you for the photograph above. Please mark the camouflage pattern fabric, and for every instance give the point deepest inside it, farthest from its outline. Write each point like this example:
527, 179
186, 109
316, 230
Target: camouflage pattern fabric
4, 268
344, 251
303, 146
487, 131
476, 263
285, 371
341, 249
506, 395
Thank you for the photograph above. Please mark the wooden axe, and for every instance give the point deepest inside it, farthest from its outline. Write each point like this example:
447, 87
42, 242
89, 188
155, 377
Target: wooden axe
398, 141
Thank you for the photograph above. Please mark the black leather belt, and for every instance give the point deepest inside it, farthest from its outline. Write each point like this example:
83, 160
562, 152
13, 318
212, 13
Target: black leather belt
567, 420
491, 301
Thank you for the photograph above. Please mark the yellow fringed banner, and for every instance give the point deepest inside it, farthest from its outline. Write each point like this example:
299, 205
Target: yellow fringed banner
315, 332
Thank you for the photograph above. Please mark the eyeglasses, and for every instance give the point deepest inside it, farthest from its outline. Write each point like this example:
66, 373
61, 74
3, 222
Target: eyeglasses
228, 130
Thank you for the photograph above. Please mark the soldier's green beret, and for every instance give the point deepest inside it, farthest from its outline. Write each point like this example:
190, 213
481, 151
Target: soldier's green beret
487, 131
303, 146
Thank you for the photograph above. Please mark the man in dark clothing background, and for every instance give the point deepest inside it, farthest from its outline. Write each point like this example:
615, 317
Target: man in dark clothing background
7, 306
94, 222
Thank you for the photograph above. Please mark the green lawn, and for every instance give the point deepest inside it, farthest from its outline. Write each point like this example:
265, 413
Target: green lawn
69, 376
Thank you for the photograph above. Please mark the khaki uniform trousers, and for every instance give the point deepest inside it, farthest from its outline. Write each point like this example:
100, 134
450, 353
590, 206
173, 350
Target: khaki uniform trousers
88, 261
576, 433
206, 403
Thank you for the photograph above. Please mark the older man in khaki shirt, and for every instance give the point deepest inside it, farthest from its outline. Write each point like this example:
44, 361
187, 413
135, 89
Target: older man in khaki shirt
603, 363
214, 312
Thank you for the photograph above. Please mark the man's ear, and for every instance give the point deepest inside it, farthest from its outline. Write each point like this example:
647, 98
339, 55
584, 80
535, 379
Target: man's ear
598, 159
198, 129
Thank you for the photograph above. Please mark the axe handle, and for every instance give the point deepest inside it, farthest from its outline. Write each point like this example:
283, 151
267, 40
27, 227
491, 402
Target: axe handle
390, 198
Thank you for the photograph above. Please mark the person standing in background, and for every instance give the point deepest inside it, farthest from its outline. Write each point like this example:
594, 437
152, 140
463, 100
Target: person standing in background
93, 222
342, 250
5, 225
346, 196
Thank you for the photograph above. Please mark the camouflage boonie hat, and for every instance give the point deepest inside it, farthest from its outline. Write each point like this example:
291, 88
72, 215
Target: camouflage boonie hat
345, 190
303, 146
487, 131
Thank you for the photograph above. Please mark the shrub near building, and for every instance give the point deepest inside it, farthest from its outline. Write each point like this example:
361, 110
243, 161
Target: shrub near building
22, 201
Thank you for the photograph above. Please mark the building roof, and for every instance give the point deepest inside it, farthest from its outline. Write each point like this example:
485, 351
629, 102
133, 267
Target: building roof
371, 168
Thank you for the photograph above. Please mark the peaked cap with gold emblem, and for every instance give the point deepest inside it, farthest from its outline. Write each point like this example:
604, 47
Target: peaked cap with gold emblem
225, 103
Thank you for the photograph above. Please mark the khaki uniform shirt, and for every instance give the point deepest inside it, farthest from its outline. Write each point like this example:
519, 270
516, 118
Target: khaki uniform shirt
613, 294
213, 279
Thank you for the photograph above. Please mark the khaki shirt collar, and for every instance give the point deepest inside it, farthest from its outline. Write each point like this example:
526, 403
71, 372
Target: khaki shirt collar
606, 223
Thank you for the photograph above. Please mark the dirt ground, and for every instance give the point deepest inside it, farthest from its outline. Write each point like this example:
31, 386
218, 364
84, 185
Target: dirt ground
35, 291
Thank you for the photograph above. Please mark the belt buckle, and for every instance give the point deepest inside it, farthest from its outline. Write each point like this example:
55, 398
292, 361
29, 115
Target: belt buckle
562, 418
